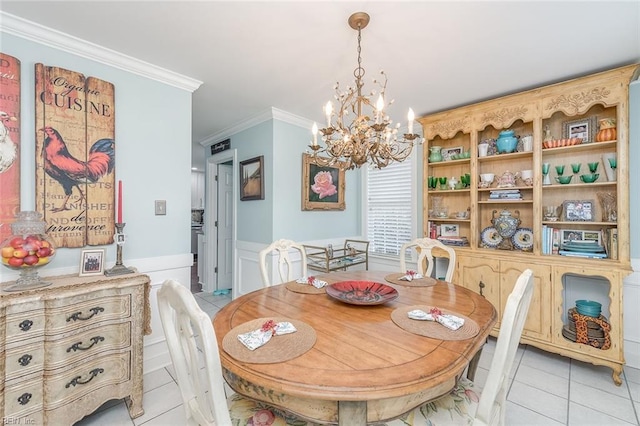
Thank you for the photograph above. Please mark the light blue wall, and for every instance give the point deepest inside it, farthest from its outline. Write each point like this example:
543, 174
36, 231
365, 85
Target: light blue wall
255, 216
153, 151
290, 141
634, 158
280, 214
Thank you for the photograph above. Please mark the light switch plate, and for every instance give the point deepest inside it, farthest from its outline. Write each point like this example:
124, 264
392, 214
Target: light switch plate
161, 207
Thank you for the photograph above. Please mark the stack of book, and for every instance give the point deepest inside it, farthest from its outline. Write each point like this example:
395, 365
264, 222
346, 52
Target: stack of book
505, 194
454, 241
590, 249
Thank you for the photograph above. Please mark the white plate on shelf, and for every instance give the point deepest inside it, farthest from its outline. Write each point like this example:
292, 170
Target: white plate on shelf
490, 237
523, 239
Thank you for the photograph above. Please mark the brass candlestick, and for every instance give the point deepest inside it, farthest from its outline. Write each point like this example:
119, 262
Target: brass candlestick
119, 268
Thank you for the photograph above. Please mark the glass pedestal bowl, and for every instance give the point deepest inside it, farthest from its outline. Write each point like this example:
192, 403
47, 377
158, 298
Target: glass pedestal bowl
27, 250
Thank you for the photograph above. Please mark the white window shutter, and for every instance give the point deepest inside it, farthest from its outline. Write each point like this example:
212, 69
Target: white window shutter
389, 192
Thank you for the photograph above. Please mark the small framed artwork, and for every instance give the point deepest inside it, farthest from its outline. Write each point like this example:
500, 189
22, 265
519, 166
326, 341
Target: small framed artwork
584, 129
252, 179
572, 235
578, 210
322, 186
448, 153
92, 262
449, 230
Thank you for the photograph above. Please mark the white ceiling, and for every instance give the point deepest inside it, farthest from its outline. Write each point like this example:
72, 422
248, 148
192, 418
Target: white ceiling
437, 54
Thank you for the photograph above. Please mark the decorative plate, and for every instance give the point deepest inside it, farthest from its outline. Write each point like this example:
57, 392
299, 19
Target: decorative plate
490, 237
362, 292
523, 239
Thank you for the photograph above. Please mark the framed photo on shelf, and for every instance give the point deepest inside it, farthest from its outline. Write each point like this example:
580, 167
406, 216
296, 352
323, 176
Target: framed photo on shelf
449, 230
322, 186
569, 235
584, 129
252, 179
92, 262
447, 153
578, 210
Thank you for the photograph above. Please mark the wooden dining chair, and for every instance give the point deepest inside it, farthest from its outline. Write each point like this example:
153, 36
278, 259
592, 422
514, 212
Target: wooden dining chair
463, 405
424, 247
285, 265
192, 344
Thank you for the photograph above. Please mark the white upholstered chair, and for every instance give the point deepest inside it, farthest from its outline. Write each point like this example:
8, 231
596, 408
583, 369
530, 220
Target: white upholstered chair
192, 344
285, 265
463, 405
424, 247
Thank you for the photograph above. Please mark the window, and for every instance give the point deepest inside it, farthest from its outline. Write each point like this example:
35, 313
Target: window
390, 207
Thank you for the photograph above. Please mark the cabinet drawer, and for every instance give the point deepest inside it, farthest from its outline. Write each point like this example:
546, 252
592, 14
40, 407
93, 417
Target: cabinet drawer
25, 359
69, 316
22, 398
64, 387
24, 325
88, 343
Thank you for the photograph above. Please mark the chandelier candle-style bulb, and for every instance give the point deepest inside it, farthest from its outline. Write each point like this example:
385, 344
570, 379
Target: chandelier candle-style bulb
410, 116
379, 108
370, 137
328, 109
314, 131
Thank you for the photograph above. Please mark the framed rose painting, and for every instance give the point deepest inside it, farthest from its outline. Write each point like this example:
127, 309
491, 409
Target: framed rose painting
322, 186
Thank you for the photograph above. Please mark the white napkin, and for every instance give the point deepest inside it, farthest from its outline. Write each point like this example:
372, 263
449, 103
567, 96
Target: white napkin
411, 275
256, 338
452, 322
311, 281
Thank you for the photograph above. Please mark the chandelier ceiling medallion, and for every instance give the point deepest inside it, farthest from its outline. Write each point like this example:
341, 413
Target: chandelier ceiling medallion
370, 137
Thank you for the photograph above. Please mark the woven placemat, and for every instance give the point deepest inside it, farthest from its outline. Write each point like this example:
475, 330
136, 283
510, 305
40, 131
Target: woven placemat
433, 329
420, 282
305, 288
278, 349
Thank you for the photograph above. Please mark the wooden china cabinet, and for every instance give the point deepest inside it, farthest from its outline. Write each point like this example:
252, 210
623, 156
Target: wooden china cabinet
551, 114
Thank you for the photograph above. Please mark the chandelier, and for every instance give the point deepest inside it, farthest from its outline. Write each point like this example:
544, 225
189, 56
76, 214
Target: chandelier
370, 137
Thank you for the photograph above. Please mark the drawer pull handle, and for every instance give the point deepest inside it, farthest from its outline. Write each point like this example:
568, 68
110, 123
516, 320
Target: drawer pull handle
76, 316
76, 380
481, 285
24, 398
24, 360
25, 325
77, 347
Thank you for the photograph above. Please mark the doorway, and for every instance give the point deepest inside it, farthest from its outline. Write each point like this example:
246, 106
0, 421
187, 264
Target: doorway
220, 224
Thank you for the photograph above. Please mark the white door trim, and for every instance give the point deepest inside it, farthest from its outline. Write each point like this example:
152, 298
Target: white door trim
210, 217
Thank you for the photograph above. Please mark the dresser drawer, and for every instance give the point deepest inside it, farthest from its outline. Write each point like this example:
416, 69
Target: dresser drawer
24, 325
63, 387
69, 316
24, 359
22, 398
88, 343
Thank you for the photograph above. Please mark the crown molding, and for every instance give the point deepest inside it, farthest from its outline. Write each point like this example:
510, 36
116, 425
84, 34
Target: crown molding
268, 114
29, 30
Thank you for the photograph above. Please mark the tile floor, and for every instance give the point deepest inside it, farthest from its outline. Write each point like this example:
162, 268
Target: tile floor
546, 389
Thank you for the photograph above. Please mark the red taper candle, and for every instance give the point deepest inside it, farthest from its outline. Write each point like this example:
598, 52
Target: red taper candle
120, 201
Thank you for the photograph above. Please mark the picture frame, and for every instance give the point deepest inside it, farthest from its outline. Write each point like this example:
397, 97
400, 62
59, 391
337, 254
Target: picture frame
584, 128
449, 230
578, 210
92, 262
322, 186
569, 235
447, 153
252, 179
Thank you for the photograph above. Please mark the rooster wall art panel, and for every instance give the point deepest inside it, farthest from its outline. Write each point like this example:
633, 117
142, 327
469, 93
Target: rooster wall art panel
9, 142
75, 156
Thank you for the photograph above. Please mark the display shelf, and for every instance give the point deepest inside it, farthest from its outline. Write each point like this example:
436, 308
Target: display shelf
565, 110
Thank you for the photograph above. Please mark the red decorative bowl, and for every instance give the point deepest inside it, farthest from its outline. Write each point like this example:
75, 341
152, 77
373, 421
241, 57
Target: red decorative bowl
362, 292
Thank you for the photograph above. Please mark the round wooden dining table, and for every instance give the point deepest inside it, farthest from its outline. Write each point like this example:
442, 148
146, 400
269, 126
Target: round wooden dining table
361, 367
